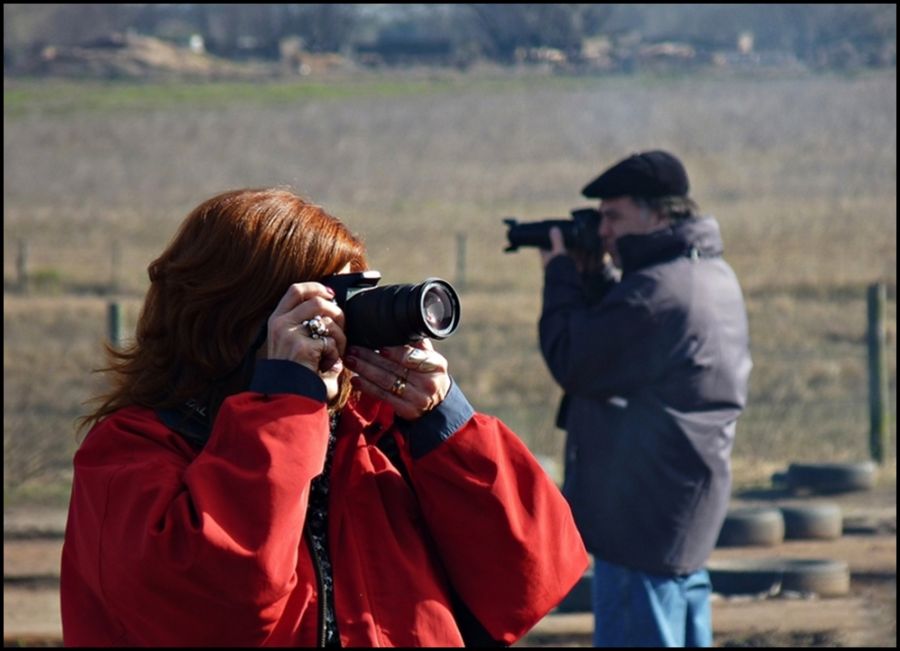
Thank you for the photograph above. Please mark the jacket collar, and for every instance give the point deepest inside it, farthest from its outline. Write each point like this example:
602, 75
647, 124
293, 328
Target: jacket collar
697, 238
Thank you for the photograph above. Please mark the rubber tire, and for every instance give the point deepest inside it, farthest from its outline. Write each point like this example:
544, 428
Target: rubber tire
752, 526
746, 576
769, 576
824, 577
831, 477
812, 521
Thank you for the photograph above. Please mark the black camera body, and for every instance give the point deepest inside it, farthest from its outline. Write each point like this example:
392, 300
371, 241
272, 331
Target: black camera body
581, 232
394, 315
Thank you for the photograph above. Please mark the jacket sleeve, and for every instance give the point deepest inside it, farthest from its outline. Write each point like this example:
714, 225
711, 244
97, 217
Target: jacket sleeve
209, 544
597, 350
503, 529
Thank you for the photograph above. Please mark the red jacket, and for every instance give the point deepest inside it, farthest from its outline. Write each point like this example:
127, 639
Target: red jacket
166, 545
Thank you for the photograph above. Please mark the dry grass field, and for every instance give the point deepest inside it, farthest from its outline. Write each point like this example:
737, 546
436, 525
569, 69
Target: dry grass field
801, 171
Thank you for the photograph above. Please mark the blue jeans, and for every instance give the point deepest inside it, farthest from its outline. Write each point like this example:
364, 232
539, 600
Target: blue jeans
633, 608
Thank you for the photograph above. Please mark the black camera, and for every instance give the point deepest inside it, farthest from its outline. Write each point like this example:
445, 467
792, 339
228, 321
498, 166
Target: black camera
394, 315
581, 232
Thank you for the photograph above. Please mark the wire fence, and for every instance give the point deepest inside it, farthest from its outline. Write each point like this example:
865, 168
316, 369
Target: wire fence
805, 404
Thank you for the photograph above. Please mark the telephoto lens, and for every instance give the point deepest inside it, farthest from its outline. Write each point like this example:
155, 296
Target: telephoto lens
537, 234
579, 232
394, 315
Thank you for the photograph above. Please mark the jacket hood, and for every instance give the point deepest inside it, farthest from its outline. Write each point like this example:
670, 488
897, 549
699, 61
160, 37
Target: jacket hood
697, 237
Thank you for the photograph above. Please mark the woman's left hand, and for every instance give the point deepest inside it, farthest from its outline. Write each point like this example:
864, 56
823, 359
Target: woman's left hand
413, 378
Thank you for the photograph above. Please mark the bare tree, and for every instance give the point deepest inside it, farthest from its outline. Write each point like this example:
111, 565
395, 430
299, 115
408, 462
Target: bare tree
503, 29
823, 35
326, 27
235, 29
837, 36
65, 24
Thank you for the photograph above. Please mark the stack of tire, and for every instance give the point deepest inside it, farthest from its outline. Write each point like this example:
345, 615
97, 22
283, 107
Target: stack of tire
769, 526
830, 478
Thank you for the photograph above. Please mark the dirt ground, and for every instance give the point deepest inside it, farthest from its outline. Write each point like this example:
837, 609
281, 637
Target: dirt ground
864, 617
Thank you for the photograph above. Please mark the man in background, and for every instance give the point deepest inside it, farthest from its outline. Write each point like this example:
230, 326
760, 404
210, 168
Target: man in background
655, 375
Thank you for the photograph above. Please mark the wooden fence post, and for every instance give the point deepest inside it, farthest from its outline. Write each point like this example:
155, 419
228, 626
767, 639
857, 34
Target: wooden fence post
879, 412
461, 260
115, 264
115, 328
22, 266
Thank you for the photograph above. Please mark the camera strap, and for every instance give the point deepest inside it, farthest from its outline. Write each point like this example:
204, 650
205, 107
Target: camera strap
193, 418
190, 420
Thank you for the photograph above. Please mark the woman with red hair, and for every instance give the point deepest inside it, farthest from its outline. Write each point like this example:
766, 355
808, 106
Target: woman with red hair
250, 479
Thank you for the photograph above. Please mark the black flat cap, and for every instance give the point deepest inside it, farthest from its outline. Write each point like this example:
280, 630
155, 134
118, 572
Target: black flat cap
648, 174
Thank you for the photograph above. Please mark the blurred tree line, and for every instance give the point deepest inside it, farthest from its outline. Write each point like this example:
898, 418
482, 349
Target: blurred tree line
820, 35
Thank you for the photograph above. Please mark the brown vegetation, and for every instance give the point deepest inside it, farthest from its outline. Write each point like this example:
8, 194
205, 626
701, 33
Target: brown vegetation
800, 171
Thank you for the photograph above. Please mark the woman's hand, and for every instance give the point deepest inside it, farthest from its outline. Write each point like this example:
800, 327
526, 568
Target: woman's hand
291, 338
413, 378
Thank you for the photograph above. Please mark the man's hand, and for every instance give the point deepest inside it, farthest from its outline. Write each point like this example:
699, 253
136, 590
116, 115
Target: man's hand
557, 245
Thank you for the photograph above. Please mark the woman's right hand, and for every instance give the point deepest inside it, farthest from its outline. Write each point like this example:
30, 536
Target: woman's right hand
290, 339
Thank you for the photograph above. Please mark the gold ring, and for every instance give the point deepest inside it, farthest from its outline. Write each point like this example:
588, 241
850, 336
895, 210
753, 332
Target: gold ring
399, 386
405, 374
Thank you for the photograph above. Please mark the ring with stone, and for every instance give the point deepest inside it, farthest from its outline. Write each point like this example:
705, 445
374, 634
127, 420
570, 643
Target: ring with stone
315, 327
399, 386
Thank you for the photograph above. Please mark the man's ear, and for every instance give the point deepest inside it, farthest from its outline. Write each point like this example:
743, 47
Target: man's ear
659, 218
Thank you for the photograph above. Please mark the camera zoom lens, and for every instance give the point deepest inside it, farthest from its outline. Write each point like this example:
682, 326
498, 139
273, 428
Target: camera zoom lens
399, 314
438, 308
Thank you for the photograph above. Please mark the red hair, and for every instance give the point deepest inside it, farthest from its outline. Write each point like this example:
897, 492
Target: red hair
213, 289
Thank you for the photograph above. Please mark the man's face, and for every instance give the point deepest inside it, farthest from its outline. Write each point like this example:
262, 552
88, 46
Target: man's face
622, 216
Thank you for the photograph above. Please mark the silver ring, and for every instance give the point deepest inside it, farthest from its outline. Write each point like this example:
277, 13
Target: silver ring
420, 362
315, 327
426, 366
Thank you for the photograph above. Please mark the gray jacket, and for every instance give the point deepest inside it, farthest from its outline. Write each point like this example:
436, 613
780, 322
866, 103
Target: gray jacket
657, 374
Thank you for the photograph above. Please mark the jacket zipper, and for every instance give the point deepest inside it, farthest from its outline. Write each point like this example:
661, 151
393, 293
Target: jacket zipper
320, 584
